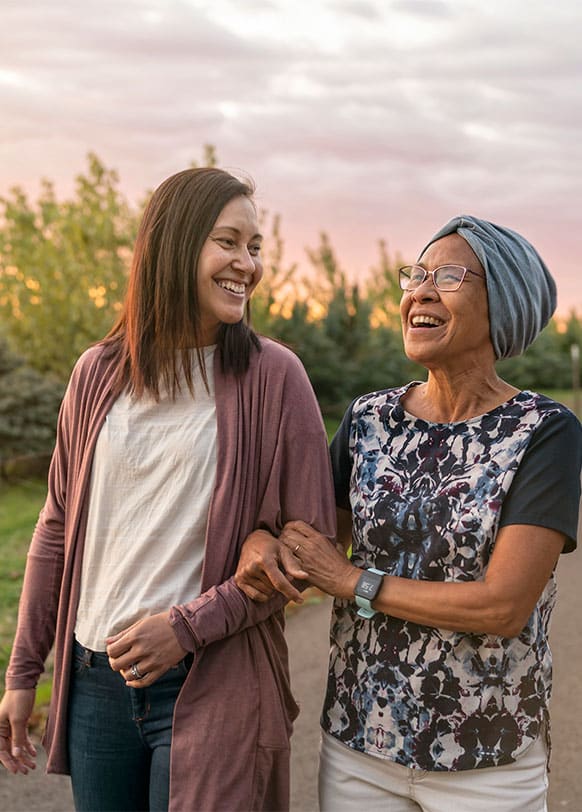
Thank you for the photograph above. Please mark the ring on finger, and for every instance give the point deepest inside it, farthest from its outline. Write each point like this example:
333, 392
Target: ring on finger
135, 672
297, 548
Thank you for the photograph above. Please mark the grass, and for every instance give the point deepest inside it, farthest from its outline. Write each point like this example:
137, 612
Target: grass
19, 507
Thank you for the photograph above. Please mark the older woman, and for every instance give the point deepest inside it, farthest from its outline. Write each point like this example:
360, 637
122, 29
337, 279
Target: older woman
458, 496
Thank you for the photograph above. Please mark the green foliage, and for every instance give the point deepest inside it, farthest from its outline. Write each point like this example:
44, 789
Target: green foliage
546, 364
276, 293
63, 267
331, 330
29, 406
383, 290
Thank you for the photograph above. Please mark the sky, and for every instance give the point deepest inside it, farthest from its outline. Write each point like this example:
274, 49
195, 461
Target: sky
372, 120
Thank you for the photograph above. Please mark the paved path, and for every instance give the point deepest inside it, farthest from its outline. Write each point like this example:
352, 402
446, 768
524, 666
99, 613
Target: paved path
307, 635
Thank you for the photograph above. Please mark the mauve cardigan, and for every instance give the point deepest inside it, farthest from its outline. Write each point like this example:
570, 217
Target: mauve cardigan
233, 717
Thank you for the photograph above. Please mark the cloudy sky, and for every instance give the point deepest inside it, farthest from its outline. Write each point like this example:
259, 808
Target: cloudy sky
370, 120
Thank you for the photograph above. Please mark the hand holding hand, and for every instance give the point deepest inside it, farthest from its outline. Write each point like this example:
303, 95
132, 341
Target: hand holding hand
144, 652
259, 573
316, 559
17, 752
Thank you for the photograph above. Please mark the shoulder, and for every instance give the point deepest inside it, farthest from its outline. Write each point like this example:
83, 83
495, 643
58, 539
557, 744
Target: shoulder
277, 360
277, 380
542, 404
91, 358
554, 438
551, 415
92, 374
275, 375
273, 352
376, 402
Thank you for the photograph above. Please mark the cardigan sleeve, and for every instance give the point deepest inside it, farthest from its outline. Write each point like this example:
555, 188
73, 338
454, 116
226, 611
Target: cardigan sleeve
219, 612
299, 486
37, 611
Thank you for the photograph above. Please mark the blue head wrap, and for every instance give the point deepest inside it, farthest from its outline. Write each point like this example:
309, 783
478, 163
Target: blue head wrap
520, 289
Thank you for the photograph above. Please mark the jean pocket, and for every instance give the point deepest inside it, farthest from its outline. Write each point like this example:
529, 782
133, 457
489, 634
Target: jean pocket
81, 659
182, 668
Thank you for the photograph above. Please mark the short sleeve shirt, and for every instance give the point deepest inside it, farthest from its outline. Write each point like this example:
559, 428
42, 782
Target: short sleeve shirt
427, 501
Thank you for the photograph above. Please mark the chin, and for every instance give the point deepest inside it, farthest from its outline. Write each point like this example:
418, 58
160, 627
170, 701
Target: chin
416, 352
232, 319
231, 316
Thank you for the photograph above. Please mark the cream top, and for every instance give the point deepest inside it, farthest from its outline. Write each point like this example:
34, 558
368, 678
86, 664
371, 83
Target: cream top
151, 483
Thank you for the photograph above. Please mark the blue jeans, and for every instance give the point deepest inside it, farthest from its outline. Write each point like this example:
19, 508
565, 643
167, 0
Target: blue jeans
118, 737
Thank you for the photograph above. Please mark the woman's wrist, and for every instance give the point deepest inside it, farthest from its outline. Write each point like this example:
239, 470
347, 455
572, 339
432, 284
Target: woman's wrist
349, 582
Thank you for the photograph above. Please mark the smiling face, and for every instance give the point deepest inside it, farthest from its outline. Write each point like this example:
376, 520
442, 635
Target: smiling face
448, 330
229, 268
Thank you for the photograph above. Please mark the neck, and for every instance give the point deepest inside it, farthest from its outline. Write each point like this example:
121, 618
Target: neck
446, 398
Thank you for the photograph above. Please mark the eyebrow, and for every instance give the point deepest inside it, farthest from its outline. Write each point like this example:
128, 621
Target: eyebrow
237, 231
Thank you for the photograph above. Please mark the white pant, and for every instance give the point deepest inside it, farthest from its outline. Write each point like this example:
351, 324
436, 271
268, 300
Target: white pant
350, 781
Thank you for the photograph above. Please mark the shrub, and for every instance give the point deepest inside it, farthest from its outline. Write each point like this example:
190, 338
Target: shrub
29, 405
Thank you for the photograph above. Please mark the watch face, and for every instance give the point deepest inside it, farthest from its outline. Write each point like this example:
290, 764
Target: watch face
369, 585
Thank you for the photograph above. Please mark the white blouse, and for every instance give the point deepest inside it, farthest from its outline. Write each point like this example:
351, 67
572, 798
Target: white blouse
152, 480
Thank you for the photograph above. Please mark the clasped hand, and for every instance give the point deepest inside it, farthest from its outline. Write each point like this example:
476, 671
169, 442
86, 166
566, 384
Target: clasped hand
268, 565
150, 645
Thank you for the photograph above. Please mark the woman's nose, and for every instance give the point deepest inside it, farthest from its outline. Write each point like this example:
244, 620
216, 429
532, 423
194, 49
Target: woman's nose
426, 291
244, 261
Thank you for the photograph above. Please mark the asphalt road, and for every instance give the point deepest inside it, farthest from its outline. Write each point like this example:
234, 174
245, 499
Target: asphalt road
307, 633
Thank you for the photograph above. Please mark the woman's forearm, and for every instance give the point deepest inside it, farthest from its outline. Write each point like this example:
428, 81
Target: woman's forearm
37, 613
500, 602
465, 607
220, 612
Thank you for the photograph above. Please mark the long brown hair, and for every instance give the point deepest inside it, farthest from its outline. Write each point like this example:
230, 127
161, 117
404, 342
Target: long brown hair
161, 317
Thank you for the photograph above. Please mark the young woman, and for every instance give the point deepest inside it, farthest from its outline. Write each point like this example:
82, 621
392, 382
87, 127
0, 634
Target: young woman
180, 433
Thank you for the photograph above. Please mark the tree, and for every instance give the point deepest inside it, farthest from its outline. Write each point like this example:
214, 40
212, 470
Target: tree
63, 267
383, 289
63, 270
331, 329
545, 365
209, 157
277, 292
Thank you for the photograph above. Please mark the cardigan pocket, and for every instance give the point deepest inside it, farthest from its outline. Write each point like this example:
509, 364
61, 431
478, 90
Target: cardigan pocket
271, 780
278, 708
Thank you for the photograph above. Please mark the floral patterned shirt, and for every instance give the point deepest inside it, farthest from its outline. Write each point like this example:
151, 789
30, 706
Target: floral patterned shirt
427, 500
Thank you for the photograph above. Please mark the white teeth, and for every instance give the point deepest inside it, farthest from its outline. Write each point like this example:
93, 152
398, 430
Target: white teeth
234, 287
421, 321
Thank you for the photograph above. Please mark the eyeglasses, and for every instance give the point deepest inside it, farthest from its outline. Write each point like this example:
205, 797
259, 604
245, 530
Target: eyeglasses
446, 277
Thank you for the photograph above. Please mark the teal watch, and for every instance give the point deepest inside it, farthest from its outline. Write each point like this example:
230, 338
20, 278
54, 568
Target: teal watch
367, 589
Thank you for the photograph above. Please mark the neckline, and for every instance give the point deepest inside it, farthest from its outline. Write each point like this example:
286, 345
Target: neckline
522, 394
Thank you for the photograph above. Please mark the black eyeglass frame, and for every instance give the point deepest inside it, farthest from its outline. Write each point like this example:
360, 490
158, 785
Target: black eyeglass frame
404, 277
